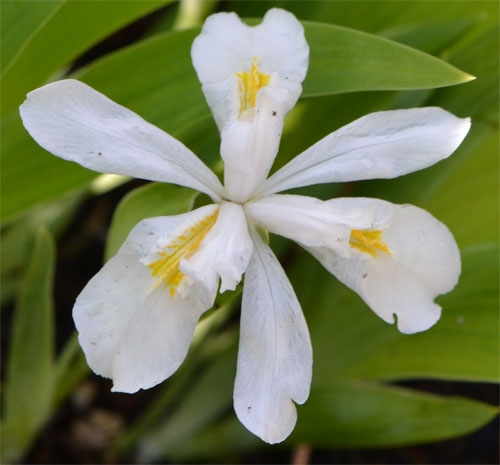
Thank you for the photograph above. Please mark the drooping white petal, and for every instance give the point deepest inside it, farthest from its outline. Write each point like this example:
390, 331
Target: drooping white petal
423, 263
384, 144
225, 251
307, 220
226, 47
77, 123
131, 326
275, 354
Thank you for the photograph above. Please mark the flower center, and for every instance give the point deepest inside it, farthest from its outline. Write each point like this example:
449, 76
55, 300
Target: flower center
166, 268
249, 82
367, 241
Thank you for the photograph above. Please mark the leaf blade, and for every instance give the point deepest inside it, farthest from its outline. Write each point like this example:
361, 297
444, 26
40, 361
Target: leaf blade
29, 389
368, 415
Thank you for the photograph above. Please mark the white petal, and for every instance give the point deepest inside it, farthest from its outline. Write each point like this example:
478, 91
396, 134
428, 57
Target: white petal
131, 330
280, 44
155, 341
385, 144
226, 251
307, 220
424, 263
226, 46
248, 147
77, 123
275, 354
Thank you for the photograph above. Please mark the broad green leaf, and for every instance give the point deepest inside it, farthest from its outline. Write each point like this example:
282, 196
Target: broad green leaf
341, 59
461, 191
341, 413
206, 401
55, 34
431, 36
154, 199
344, 414
370, 16
17, 239
29, 384
204, 445
26, 165
467, 200
479, 51
20, 21
349, 340
362, 414
351, 414
71, 367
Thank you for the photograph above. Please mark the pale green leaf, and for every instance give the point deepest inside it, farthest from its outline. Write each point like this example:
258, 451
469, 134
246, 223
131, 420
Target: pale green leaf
341, 60
206, 401
20, 21
55, 34
360, 414
30, 371
71, 367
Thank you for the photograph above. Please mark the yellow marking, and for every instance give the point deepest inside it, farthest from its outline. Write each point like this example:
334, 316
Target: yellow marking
368, 241
166, 268
249, 84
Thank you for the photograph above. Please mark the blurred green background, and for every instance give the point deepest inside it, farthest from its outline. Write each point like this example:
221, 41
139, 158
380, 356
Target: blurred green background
377, 396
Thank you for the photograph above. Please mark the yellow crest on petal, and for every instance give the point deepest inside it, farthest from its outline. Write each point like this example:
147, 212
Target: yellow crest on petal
166, 268
369, 242
249, 83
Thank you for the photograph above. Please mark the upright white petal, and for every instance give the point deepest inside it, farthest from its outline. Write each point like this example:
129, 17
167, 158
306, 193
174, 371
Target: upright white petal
226, 46
275, 354
131, 326
225, 251
77, 123
249, 147
306, 220
385, 144
423, 262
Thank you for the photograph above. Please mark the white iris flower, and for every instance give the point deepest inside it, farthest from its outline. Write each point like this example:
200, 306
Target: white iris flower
136, 317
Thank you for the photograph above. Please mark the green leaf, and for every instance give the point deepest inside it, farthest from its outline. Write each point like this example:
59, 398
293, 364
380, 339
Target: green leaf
17, 239
30, 370
204, 445
71, 367
204, 403
341, 60
361, 414
349, 340
462, 191
154, 199
52, 35
20, 21
370, 16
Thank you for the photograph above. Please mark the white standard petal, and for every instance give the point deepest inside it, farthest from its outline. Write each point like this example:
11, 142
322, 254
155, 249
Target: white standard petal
225, 251
227, 48
306, 220
400, 265
134, 324
77, 123
385, 144
248, 147
275, 353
